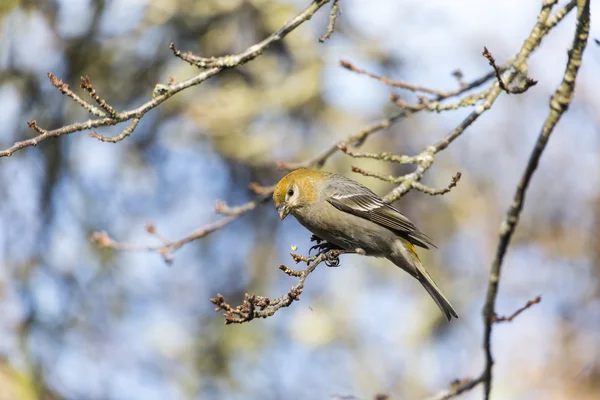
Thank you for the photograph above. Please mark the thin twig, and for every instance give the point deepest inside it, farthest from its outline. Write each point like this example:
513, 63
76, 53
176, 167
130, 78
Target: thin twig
527, 82
533, 41
386, 178
486, 53
379, 156
457, 388
166, 92
64, 89
394, 98
126, 132
425, 159
168, 247
151, 229
103, 240
457, 73
335, 7
439, 94
560, 14
437, 192
33, 125
356, 140
222, 208
393, 83
254, 51
87, 85
263, 307
558, 105
527, 305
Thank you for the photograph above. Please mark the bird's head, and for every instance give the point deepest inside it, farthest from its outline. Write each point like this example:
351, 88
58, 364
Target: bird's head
297, 189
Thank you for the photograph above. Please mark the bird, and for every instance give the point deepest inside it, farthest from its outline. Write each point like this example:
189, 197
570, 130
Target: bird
349, 216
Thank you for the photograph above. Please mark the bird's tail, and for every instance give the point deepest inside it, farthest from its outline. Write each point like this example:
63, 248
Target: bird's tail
436, 294
409, 261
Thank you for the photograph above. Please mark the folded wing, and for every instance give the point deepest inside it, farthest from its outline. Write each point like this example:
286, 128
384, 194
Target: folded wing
356, 199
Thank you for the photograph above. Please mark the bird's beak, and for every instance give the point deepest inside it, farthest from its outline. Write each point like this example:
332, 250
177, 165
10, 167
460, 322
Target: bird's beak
283, 210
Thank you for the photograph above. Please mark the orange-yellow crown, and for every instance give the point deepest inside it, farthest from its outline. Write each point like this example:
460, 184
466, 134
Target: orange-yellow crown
304, 179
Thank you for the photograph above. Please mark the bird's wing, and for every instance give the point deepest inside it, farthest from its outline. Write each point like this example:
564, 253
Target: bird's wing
352, 197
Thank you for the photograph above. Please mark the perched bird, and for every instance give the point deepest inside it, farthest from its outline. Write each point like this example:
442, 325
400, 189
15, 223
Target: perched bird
350, 216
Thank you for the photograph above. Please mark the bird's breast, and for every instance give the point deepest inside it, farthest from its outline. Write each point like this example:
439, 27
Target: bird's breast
346, 230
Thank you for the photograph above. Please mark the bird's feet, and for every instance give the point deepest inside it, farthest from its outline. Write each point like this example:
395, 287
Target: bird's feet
330, 250
315, 238
332, 257
323, 247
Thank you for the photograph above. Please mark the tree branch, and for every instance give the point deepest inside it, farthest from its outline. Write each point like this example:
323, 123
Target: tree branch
527, 83
263, 307
457, 387
514, 315
215, 66
437, 192
335, 7
558, 105
126, 132
168, 247
393, 83
519, 64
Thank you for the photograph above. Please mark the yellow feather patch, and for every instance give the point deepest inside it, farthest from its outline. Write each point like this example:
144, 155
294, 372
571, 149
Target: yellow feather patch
411, 248
305, 179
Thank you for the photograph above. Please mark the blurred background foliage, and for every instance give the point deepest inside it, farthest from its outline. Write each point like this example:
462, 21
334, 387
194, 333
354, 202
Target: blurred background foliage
82, 323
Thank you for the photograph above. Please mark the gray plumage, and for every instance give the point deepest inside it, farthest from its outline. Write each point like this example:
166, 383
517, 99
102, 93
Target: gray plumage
349, 215
352, 197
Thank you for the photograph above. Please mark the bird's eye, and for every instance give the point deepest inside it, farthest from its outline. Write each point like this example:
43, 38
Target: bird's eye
290, 192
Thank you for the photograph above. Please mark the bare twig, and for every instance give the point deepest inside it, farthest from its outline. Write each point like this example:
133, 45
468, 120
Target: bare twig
458, 74
424, 160
460, 386
412, 108
259, 189
412, 182
558, 105
356, 139
222, 208
64, 89
386, 178
252, 51
151, 229
33, 125
335, 7
166, 92
264, 307
439, 94
492, 61
87, 85
457, 387
394, 83
560, 14
437, 192
126, 132
188, 56
426, 157
527, 305
527, 83
379, 156
168, 247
